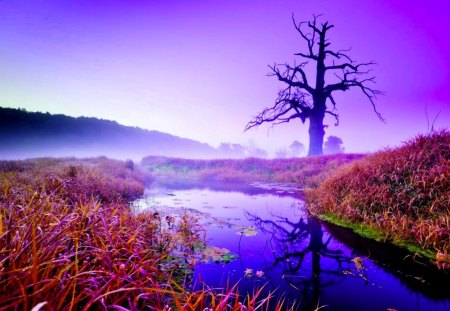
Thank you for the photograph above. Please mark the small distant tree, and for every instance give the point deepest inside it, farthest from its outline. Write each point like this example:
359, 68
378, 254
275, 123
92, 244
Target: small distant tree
281, 153
333, 145
129, 164
258, 153
238, 150
296, 148
231, 150
252, 150
302, 99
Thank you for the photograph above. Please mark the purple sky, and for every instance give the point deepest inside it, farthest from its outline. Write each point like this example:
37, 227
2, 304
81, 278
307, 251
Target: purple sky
198, 69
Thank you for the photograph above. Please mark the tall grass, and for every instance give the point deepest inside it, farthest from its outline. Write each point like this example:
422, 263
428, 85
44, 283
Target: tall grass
308, 172
69, 241
402, 192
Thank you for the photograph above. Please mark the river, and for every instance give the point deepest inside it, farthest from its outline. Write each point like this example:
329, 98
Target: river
302, 260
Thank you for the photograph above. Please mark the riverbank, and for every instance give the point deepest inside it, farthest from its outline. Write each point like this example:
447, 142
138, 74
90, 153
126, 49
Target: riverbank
399, 195
307, 172
68, 238
70, 241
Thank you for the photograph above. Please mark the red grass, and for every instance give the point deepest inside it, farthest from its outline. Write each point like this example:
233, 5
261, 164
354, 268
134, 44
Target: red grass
68, 237
308, 172
404, 192
69, 241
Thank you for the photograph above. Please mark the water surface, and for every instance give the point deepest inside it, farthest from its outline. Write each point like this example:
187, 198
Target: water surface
305, 261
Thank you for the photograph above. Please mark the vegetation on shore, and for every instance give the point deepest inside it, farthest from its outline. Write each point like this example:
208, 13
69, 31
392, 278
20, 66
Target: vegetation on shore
70, 241
401, 195
307, 172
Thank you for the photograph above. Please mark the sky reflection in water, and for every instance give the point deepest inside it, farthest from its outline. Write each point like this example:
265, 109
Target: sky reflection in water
306, 261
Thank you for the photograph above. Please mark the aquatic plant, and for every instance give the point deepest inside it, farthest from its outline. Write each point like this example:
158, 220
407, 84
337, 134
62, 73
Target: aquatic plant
402, 193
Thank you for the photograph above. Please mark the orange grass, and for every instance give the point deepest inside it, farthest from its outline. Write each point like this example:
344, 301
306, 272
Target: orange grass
69, 241
402, 192
307, 172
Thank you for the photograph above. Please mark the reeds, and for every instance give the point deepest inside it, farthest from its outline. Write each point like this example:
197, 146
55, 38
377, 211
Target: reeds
307, 172
404, 193
69, 241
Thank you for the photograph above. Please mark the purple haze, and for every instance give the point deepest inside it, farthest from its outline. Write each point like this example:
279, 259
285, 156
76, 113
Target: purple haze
198, 69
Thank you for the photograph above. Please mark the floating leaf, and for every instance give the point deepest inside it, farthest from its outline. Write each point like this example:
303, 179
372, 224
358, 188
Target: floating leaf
247, 231
218, 254
358, 261
248, 272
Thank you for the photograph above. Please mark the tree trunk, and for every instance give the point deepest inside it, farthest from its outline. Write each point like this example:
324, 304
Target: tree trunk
316, 134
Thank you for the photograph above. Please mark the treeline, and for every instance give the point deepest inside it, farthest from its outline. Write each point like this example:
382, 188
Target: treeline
35, 134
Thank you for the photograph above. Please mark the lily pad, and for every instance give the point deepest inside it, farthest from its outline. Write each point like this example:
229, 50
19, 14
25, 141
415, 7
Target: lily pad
218, 254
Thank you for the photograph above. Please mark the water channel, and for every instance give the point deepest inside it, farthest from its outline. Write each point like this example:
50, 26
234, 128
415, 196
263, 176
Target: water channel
299, 258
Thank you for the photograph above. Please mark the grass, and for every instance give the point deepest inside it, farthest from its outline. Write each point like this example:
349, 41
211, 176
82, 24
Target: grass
401, 193
69, 241
307, 172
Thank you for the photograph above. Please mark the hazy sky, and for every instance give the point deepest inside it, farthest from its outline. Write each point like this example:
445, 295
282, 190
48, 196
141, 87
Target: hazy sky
198, 69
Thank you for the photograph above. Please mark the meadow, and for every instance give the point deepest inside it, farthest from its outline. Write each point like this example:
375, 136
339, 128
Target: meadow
69, 241
306, 172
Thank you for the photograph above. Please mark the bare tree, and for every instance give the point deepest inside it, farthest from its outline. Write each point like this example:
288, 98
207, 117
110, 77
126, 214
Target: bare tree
299, 99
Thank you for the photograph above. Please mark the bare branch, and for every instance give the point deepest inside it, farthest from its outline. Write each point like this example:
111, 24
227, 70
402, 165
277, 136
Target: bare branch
298, 69
335, 115
355, 68
289, 77
310, 56
288, 106
339, 54
310, 39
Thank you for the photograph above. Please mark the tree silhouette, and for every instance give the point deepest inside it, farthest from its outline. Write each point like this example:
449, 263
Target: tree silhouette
292, 242
333, 145
296, 148
252, 150
300, 99
231, 150
281, 153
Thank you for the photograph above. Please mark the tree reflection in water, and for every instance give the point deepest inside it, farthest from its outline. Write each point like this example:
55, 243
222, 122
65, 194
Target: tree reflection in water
298, 248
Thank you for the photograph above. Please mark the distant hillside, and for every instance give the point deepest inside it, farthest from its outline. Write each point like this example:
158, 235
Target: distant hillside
34, 134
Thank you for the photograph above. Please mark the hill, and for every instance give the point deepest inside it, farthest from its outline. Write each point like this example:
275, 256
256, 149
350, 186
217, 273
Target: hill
26, 134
